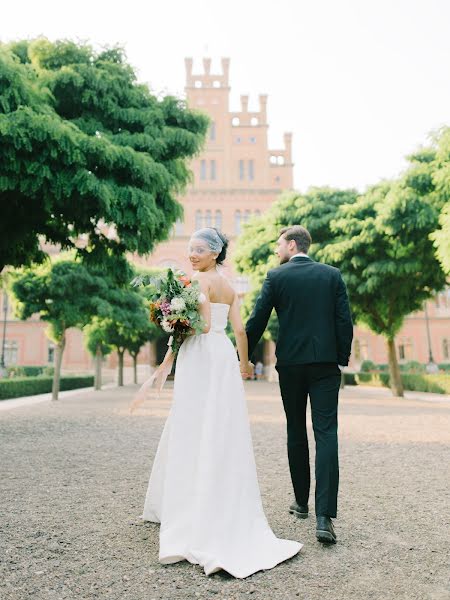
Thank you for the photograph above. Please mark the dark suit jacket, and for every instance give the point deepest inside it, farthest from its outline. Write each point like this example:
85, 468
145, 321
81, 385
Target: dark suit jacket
315, 324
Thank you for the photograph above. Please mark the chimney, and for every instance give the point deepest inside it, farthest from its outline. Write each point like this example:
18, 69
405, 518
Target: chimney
225, 69
244, 104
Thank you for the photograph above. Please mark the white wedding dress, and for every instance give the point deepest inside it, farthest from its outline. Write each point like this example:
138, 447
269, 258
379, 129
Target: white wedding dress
203, 487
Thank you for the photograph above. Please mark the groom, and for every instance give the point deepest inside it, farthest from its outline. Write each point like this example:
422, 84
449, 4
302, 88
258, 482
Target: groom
315, 336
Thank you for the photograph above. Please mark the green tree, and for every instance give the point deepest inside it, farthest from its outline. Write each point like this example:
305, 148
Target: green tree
64, 294
441, 180
382, 246
128, 331
254, 254
87, 153
95, 344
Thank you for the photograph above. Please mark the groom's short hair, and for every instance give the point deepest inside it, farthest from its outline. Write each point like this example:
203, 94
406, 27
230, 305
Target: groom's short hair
300, 235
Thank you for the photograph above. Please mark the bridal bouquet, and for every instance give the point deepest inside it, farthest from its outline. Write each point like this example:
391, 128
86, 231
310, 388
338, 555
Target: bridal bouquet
174, 305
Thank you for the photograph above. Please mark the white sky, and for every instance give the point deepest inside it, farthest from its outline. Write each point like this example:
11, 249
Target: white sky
360, 83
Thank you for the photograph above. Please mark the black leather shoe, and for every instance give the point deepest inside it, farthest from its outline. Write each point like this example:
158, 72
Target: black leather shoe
325, 531
299, 510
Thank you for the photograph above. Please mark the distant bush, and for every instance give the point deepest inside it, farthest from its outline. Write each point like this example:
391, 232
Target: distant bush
25, 371
367, 365
413, 366
417, 382
364, 377
349, 379
444, 367
29, 386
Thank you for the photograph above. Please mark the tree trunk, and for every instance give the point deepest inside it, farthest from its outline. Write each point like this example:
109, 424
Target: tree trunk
135, 367
120, 354
98, 368
58, 362
395, 380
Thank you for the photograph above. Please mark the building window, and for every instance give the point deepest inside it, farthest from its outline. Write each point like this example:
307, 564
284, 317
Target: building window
216, 84
213, 169
241, 170
252, 140
198, 219
198, 84
445, 349
360, 350
208, 219
51, 353
247, 216
405, 350
257, 213
212, 131
251, 170
238, 140
203, 170
254, 121
237, 222
235, 121
178, 228
11, 352
218, 219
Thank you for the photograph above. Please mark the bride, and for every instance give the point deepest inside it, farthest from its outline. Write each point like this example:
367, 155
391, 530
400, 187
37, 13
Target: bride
203, 487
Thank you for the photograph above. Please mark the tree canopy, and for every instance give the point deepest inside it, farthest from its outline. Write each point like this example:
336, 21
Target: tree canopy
87, 152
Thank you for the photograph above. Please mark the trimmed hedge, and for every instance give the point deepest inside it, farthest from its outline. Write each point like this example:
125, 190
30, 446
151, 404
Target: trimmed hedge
30, 386
349, 379
417, 382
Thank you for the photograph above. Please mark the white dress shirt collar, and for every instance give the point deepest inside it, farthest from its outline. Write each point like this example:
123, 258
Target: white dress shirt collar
299, 254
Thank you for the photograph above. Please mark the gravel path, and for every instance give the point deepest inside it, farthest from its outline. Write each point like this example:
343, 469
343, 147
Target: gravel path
74, 475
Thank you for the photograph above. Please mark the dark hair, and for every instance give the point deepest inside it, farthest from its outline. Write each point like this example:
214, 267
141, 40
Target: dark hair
300, 235
223, 252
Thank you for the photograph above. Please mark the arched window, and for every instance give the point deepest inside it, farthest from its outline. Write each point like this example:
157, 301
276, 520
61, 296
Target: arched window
218, 219
248, 214
198, 219
208, 219
237, 222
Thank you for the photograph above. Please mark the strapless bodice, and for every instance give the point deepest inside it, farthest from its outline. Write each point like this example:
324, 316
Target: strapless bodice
219, 316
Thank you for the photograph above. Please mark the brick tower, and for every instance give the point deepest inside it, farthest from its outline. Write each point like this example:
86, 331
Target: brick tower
236, 176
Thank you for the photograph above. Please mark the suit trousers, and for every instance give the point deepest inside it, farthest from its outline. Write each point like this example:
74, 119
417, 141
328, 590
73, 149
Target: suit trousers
321, 382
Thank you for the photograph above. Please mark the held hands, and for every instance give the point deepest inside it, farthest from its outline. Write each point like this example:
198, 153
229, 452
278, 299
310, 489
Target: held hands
247, 370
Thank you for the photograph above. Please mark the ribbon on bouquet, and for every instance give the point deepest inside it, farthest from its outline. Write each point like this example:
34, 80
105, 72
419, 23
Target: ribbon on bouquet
158, 378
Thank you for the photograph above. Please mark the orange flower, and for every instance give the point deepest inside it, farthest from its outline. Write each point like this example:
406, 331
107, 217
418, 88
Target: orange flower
185, 280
